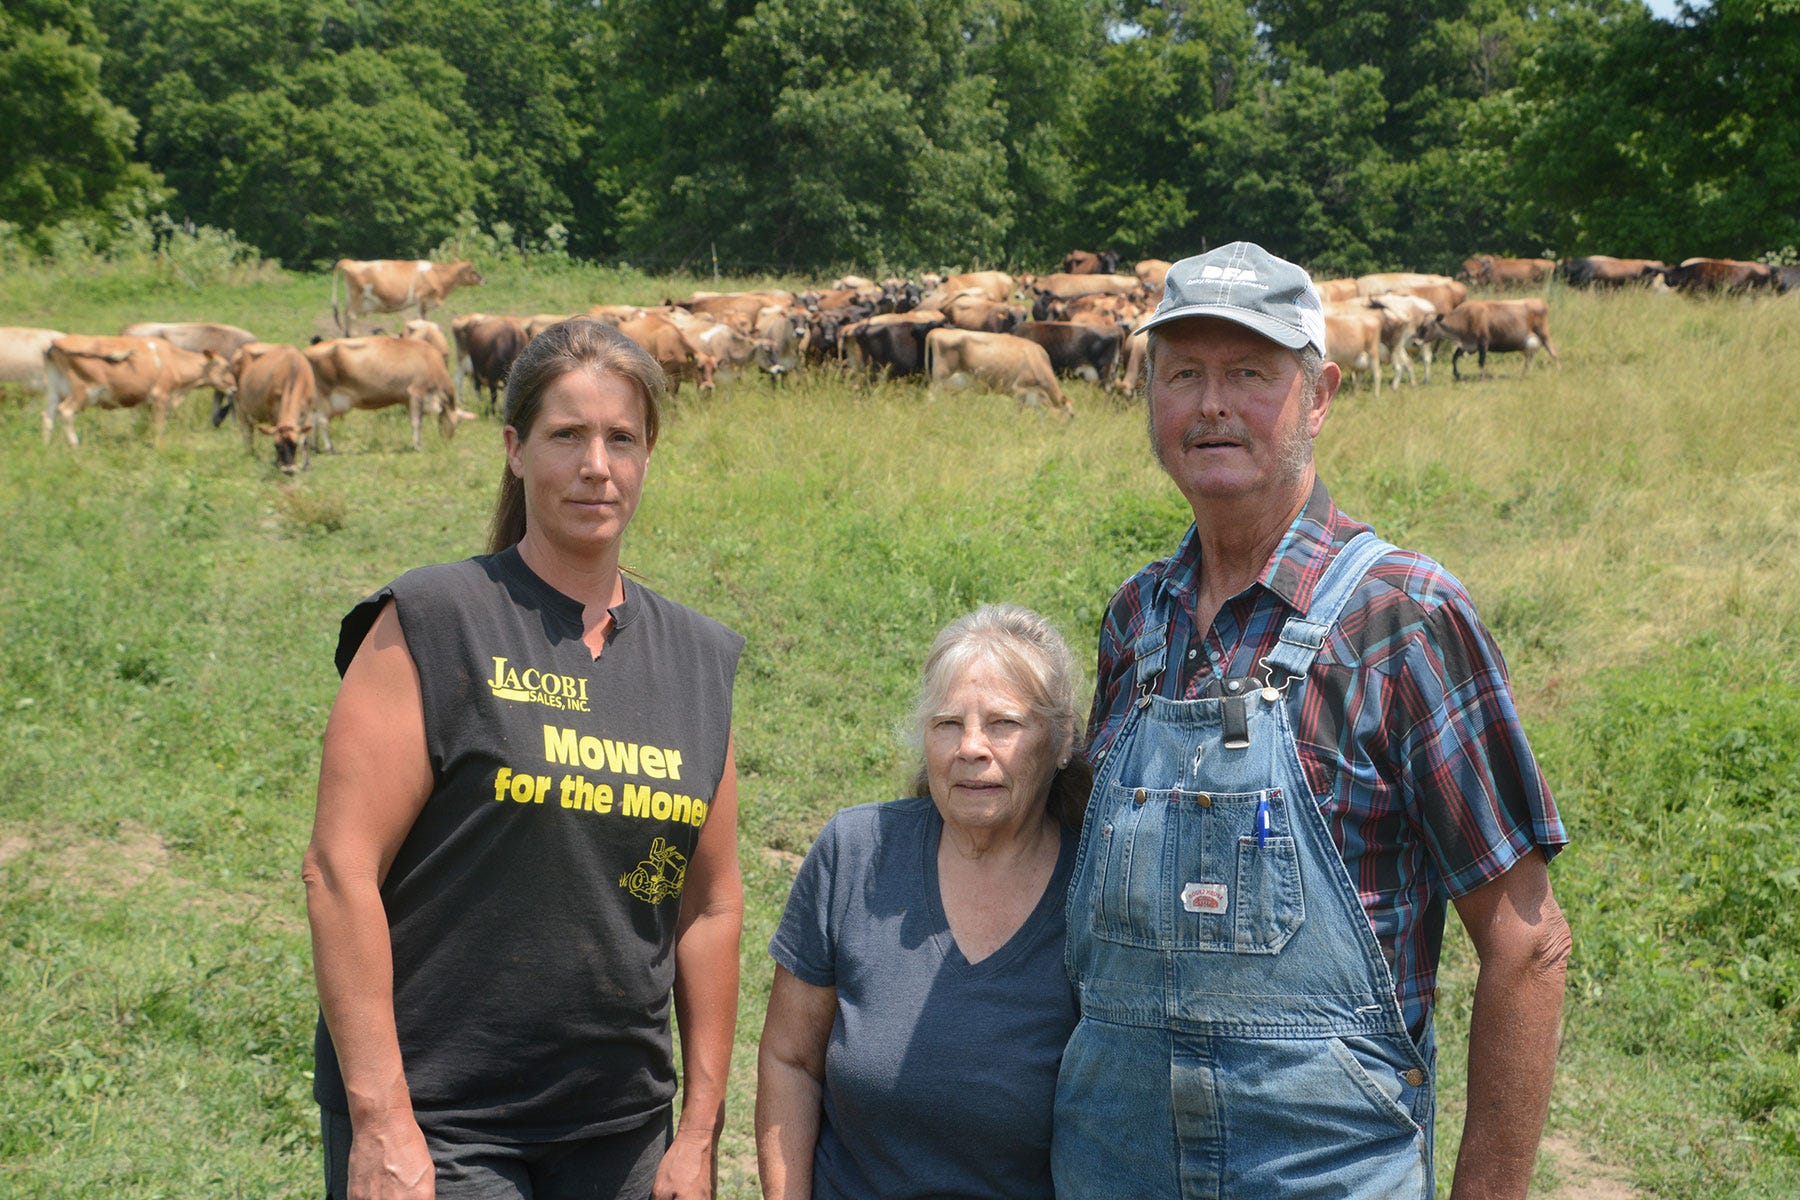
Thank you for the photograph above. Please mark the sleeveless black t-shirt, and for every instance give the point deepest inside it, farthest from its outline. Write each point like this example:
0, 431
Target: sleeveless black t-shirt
532, 906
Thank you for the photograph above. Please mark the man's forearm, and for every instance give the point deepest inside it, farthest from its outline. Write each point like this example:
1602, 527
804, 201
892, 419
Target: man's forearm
1514, 1032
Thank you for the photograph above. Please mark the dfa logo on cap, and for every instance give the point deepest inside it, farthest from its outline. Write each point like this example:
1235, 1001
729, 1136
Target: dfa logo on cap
1228, 274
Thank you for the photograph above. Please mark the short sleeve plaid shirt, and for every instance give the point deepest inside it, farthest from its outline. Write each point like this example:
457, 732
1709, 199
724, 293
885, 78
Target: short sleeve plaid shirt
1407, 729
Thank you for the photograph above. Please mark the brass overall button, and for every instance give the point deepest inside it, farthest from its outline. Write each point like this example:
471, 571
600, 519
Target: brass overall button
1415, 1077
1204, 799
1137, 797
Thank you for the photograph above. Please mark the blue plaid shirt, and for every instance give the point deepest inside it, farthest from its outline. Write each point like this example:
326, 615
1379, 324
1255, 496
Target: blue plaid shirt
1407, 729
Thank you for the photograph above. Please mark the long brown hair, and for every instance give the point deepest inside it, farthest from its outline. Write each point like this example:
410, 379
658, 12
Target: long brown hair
578, 344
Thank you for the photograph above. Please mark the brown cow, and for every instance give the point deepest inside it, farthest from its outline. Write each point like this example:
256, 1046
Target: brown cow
1696, 275
485, 349
1067, 287
22, 354
995, 285
429, 332
374, 372
1443, 292
1494, 325
392, 284
664, 342
1151, 272
1490, 271
999, 360
976, 312
1076, 349
1135, 348
1332, 290
197, 336
274, 394
1601, 270
1086, 262
122, 372
1353, 342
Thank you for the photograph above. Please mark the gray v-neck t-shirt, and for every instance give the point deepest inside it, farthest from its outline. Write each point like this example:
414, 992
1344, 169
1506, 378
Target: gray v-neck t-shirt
940, 1074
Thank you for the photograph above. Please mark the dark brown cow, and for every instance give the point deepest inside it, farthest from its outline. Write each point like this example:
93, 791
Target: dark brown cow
393, 284
122, 372
892, 343
375, 372
1697, 275
1486, 270
1074, 349
1501, 326
485, 349
274, 394
197, 336
1600, 270
1786, 279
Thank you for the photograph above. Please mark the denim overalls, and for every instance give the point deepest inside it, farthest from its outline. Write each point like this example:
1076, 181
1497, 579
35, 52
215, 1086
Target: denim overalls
1239, 1035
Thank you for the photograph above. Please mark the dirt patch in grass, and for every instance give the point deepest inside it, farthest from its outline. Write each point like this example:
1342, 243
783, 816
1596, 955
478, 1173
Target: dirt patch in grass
1580, 1176
11, 848
113, 866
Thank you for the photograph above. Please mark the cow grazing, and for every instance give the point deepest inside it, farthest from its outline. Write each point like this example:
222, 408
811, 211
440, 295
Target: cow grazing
1076, 349
998, 360
375, 372
1353, 342
1499, 326
1600, 270
1402, 318
196, 336
123, 372
394, 284
274, 395
1087, 262
678, 357
485, 349
1486, 270
22, 355
1711, 275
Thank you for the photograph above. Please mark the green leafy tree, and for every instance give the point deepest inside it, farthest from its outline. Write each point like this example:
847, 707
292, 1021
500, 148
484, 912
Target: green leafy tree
68, 148
358, 154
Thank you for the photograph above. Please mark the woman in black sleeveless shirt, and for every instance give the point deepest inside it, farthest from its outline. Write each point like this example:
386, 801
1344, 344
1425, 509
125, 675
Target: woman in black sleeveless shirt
525, 844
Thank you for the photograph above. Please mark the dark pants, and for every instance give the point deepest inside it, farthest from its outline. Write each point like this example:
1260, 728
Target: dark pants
613, 1166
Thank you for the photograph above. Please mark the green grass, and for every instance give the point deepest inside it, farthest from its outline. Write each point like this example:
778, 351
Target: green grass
1626, 522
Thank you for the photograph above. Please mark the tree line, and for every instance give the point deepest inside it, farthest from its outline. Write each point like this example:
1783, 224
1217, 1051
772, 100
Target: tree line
803, 135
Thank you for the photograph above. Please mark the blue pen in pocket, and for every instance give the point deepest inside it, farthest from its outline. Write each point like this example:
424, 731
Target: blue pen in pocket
1263, 823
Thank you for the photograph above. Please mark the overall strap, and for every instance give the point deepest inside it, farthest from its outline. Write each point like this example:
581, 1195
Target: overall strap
1304, 633
1151, 649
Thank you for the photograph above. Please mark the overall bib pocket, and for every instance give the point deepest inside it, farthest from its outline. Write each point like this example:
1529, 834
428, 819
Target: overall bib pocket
1182, 870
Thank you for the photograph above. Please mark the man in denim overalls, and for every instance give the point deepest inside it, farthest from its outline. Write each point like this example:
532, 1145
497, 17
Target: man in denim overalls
1304, 744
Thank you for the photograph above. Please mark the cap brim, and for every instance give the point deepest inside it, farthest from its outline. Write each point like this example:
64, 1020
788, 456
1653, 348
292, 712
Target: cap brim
1279, 332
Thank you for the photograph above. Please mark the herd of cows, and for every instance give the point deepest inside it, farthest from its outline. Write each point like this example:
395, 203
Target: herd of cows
1018, 335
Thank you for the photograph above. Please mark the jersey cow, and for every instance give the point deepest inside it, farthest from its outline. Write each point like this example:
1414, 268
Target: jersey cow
274, 396
892, 343
197, 336
1500, 326
22, 355
394, 284
1486, 270
1601, 270
1000, 361
123, 372
1697, 275
375, 372
672, 350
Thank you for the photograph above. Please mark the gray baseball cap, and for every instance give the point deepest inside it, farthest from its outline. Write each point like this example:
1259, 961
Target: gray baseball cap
1244, 283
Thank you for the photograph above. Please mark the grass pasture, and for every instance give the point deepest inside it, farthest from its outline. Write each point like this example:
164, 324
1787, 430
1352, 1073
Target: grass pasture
1626, 522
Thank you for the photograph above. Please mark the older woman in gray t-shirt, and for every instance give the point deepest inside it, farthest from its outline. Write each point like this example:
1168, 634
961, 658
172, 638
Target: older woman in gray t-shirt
920, 1003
